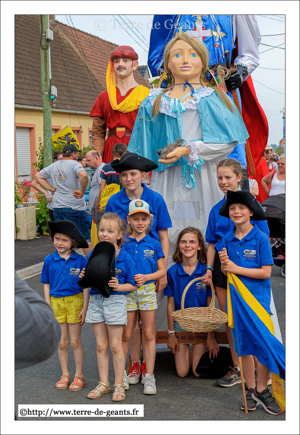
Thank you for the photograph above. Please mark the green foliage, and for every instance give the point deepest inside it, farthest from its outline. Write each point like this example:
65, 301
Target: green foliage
42, 215
56, 146
86, 150
22, 190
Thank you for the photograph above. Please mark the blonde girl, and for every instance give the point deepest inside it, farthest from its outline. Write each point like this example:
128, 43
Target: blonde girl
148, 257
190, 263
109, 315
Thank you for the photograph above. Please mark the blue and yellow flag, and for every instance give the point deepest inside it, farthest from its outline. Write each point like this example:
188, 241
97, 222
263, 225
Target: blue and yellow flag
255, 333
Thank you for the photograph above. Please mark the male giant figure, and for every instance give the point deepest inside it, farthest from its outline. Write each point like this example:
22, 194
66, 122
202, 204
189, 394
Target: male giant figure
117, 107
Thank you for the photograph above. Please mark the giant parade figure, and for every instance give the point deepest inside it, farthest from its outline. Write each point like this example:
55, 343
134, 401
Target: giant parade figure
207, 121
117, 107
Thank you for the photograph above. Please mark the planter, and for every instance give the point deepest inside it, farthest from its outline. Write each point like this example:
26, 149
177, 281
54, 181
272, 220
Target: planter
26, 221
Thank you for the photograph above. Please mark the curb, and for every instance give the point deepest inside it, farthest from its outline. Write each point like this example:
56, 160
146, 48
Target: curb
30, 271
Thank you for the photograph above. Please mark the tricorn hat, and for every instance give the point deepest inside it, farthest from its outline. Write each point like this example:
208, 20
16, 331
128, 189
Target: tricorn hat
70, 229
133, 161
217, 367
246, 198
100, 269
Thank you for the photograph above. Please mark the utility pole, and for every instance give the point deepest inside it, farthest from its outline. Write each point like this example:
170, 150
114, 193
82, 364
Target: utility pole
45, 77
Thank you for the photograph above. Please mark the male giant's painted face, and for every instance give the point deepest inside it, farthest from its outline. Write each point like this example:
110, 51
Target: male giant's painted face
124, 67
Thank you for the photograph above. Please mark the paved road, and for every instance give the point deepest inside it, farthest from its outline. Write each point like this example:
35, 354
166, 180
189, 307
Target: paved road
177, 399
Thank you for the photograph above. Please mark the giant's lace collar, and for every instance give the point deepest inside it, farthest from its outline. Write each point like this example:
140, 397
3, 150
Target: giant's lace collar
169, 106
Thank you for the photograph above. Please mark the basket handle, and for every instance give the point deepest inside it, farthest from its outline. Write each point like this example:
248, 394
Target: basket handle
212, 302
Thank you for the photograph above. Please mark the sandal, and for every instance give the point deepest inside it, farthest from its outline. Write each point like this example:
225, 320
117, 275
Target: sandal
98, 393
63, 382
118, 392
78, 383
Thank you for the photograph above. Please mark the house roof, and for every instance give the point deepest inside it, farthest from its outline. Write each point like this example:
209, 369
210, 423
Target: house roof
78, 65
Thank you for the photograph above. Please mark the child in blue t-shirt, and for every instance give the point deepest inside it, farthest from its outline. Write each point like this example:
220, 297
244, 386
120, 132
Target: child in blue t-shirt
229, 177
148, 257
69, 302
246, 252
109, 315
190, 259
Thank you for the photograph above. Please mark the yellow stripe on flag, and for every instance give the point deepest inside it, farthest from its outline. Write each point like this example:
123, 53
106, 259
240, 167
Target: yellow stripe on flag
277, 383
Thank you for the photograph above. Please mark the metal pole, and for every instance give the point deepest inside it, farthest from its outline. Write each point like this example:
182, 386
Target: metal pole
45, 79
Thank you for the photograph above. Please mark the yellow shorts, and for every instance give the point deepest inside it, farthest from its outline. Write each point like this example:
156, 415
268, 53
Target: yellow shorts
67, 308
143, 298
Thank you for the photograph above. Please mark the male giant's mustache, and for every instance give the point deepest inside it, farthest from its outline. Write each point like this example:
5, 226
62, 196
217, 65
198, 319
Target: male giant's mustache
121, 67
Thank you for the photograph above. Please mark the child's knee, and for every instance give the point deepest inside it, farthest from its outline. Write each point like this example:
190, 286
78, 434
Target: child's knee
75, 343
126, 335
148, 334
182, 372
116, 347
64, 344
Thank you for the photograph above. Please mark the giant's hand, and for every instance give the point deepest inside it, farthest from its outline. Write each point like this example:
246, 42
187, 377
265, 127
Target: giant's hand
175, 155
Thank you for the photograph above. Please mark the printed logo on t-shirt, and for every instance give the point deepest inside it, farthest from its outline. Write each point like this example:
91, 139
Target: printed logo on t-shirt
200, 286
75, 271
118, 271
148, 253
249, 254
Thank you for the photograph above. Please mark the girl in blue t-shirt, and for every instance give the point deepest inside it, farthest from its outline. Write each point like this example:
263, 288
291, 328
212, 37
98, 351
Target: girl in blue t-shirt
229, 177
109, 315
148, 257
190, 259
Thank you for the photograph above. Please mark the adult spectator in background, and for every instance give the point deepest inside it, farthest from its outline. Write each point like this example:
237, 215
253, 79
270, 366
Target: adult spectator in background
82, 160
261, 171
273, 160
275, 179
117, 107
37, 332
253, 186
56, 156
94, 161
108, 174
69, 185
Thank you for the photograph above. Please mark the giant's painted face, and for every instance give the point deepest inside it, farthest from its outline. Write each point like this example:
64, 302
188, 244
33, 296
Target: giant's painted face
184, 62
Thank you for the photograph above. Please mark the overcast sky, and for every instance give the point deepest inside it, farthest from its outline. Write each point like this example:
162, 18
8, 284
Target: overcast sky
269, 77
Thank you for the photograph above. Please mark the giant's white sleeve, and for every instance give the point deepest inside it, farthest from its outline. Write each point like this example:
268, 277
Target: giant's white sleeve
245, 29
208, 151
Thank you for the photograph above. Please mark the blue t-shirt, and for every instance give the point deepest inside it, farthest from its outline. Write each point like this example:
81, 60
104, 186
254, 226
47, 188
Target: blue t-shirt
124, 270
252, 252
62, 275
218, 226
145, 254
110, 175
161, 220
178, 279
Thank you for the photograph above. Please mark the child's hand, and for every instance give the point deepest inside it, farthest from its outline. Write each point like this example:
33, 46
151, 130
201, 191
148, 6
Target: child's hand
82, 315
161, 284
207, 278
82, 273
139, 279
113, 283
223, 255
229, 266
212, 346
173, 343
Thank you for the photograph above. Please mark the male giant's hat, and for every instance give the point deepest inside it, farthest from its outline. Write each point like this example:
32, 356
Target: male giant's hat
246, 198
70, 229
124, 51
100, 269
130, 161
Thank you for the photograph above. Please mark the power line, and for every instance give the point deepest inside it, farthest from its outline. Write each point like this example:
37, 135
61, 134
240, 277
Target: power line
274, 34
268, 87
275, 19
137, 30
133, 30
273, 69
129, 34
277, 46
271, 48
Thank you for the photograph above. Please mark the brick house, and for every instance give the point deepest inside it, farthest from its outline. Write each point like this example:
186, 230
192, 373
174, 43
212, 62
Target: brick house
78, 67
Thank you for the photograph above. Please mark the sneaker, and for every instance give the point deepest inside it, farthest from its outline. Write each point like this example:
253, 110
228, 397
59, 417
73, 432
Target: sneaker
144, 371
231, 378
251, 403
267, 401
149, 384
135, 373
126, 380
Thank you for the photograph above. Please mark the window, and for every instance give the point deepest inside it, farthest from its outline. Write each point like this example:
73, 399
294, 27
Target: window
23, 153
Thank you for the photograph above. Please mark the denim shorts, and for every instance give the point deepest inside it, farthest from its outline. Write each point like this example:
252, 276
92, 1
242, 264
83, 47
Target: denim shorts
112, 310
177, 327
78, 217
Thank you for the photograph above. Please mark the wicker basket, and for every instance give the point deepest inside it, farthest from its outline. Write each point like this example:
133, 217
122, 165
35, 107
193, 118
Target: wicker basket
203, 319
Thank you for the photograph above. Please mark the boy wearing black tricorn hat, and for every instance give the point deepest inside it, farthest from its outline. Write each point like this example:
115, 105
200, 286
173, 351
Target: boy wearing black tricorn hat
246, 258
69, 302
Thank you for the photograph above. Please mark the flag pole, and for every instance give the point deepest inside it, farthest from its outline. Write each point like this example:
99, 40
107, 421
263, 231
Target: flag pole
243, 385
